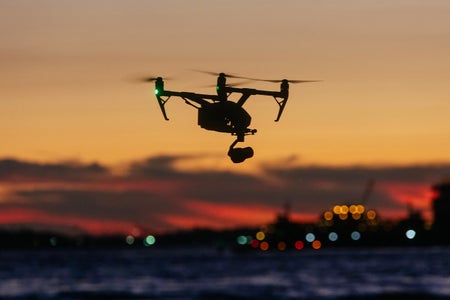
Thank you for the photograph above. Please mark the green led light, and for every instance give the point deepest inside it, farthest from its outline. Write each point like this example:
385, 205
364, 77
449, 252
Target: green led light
156, 91
217, 88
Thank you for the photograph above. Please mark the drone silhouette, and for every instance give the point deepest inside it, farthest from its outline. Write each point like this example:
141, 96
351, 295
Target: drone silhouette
219, 113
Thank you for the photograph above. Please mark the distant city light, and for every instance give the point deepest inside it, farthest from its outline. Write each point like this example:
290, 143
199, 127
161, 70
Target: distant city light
411, 234
356, 216
254, 243
299, 245
328, 215
360, 209
337, 209
149, 240
343, 216
333, 236
241, 240
316, 244
371, 214
282, 246
310, 237
344, 209
264, 246
355, 235
260, 235
129, 239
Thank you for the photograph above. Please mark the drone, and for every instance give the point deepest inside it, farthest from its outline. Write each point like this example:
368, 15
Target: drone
218, 113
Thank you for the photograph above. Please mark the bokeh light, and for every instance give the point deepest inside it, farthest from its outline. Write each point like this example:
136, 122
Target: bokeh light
316, 244
333, 236
328, 215
337, 209
241, 240
129, 239
410, 234
254, 243
260, 235
149, 240
355, 235
356, 216
310, 237
281, 246
371, 214
360, 209
264, 246
343, 217
299, 245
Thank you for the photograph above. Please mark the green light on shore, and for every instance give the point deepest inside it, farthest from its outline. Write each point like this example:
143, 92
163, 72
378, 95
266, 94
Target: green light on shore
149, 240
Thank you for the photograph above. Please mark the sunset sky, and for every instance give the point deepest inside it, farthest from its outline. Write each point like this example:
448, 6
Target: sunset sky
84, 144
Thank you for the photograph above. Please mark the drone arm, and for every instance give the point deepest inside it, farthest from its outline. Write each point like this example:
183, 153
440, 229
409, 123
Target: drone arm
246, 93
244, 98
190, 103
189, 98
198, 98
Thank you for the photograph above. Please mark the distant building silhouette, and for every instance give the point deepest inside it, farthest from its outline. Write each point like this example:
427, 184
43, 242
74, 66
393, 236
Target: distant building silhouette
441, 209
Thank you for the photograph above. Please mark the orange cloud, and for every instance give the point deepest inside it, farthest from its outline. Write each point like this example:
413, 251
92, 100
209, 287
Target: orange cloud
91, 226
186, 222
232, 213
417, 195
219, 216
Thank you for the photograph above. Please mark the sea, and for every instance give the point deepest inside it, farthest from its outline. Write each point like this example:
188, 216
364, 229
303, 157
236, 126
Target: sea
205, 273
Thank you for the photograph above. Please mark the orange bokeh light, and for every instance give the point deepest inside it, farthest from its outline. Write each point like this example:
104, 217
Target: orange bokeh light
316, 245
264, 246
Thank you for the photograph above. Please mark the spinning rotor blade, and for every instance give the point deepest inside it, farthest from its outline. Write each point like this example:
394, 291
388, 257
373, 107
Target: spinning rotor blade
256, 79
217, 74
238, 83
152, 78
302, 81
280, 80
149, 79
230, 84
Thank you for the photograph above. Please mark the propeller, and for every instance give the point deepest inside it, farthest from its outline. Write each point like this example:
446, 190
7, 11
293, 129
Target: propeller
217, 74
151, 78
227, 76
230, 84
281, 80
256, 79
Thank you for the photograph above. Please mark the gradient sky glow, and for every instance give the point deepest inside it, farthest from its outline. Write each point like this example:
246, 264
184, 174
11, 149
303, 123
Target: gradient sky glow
155, 195
68, 97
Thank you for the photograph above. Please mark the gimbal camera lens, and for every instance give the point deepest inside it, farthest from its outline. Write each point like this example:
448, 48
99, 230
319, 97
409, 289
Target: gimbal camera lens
238, 155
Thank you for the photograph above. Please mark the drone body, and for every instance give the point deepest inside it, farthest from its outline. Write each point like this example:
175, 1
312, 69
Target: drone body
218, 113
224, 116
